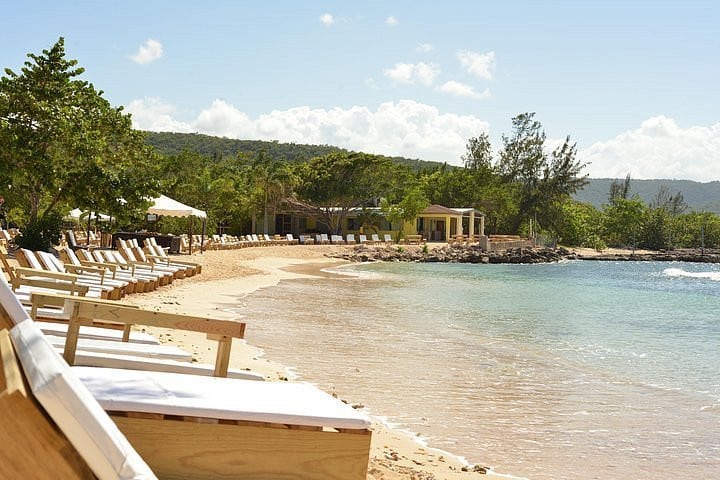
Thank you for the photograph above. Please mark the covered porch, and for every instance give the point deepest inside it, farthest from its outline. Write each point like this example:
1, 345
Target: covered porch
438, 223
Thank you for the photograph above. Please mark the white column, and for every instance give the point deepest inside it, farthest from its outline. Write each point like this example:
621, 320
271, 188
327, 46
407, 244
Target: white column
471, 230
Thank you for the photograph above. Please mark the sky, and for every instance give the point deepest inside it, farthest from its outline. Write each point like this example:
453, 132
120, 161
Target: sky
636, 84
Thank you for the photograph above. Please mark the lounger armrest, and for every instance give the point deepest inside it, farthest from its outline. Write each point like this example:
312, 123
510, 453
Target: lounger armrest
50, 284
80, 269
109, 266
158, 259
86, 313
33, 272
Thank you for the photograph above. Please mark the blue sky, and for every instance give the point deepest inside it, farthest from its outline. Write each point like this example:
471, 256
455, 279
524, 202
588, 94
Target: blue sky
635, 83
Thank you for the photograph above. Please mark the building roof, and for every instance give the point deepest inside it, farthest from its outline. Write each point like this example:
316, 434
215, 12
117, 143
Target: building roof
441, 210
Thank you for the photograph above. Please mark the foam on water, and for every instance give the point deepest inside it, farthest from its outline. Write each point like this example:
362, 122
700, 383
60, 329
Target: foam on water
679, 272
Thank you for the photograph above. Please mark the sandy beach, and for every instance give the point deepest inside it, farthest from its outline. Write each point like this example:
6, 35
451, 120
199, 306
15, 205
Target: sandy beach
230, 274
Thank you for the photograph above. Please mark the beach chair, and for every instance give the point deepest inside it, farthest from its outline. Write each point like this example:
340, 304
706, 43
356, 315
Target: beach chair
158, 254
148, 280
337, 240
324, 239
363, 239
136, 250
69, 257
28, 260
375, 239
125, 252
291, 240
208, 428
52, 427
350, 239
388, 238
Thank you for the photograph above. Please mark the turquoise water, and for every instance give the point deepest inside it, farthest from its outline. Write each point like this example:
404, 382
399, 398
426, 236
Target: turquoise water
564, 371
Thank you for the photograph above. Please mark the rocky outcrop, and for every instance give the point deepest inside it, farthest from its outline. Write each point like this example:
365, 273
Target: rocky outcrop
474, 254
454, 254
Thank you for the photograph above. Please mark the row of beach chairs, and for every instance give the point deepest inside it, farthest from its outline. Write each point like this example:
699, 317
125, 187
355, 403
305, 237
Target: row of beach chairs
89, 396
223, 242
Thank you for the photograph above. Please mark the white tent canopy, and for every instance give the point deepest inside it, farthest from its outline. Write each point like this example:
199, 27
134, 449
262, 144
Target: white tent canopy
76, 214
172, 208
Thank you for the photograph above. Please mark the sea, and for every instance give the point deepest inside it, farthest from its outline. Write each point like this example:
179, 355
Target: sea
570, 370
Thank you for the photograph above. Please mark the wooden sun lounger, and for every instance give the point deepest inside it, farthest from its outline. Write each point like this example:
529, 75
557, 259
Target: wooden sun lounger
53, 427
26, 432
208, 428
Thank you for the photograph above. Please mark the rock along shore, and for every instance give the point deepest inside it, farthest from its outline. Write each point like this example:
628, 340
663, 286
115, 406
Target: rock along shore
474, 254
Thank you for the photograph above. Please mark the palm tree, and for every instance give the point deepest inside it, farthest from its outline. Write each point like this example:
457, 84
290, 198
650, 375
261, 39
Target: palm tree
271, 180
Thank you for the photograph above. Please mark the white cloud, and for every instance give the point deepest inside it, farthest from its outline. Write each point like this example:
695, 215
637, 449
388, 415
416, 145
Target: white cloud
153, 114
405, 128
148, 52
327, 19
462, 90
479, 64
424, 48
658, 149
391, 20
423, 73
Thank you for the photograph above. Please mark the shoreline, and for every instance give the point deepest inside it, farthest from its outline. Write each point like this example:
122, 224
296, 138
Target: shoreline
228, 277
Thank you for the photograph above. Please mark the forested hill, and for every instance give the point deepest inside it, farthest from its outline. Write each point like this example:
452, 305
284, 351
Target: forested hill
168, 143
698, 196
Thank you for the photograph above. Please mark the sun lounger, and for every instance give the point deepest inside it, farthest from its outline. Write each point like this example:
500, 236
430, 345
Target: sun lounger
156, 253
96, 282
133, 284
375, 238
387, 238
211, 428
134, 251
350, 238
55, 428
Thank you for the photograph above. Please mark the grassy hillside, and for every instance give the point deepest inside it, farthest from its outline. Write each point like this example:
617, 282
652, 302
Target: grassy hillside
698, 196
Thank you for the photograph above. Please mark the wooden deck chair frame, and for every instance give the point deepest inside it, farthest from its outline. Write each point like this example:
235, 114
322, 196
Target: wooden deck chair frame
32, 444
200, 448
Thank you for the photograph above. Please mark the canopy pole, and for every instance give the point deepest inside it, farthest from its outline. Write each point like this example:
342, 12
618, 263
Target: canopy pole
202, 237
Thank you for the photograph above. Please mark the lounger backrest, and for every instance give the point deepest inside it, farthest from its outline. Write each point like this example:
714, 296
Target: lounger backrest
72, 257
375, 237
51, 262
71, 406
323, 237
350, 237
31, 259
388, 238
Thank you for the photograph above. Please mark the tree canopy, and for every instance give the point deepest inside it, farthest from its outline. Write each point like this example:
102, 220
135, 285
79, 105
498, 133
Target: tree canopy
62, 144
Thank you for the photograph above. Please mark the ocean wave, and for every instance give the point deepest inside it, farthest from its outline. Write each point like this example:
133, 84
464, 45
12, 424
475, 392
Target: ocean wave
680, 273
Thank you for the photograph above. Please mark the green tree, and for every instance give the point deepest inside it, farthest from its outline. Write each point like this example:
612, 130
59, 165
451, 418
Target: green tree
543, 181
581, 225
272, 182
407, 209
62, 144
619, 189
624, 221
332, 185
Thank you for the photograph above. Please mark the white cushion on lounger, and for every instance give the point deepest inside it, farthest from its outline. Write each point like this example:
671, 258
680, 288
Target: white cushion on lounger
82, 420
109, 360
97, 333
163, 352
212, 397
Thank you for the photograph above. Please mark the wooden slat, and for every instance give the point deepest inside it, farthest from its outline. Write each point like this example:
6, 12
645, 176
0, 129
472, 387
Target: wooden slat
198, 451
122, 313
31, 445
